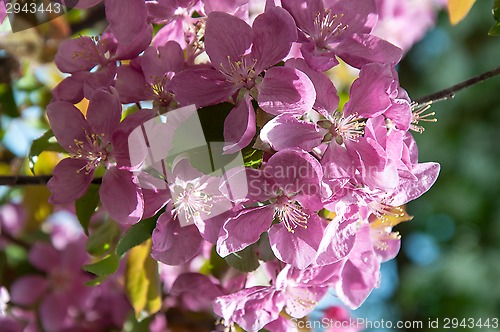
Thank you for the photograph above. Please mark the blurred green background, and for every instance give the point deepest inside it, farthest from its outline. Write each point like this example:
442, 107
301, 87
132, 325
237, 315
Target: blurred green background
449, 264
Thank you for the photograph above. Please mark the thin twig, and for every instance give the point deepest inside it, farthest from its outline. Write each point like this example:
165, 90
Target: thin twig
25, 180
450, 92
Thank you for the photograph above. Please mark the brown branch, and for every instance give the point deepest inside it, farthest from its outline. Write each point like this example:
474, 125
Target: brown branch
450, 92
26, 180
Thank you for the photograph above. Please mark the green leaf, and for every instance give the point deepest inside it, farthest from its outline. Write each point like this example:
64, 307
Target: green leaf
496, 10
252, 157
136, 235
101, 240
86, 205
105, 266
8, 104
43, 143
142, 281
263, 248
245, 260
215, 266
495, 30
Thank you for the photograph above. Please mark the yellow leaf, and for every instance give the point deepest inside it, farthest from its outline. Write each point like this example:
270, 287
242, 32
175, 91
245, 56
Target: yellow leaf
37, 207
142, 281
458, 9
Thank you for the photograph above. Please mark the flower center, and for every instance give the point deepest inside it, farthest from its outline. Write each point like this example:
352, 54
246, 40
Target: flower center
241, 72
326, 26
165, 97
189, 199
291, 214
93, 150
418, 114
343, 128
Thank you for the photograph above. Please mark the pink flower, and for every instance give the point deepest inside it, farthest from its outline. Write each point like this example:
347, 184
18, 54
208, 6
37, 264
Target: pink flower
148, 77
92, 63
240, 54
342, 29
404, 23
94, 140
191, 214
290, 197
297, 292
338, 316
64, 276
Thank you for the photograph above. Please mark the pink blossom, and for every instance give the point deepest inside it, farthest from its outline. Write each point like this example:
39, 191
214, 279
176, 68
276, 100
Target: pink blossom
240, 54
148, 77
341, 28
292, 199
404, 23
92, 141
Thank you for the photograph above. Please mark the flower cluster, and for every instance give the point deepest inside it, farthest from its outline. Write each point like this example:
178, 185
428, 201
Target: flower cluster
318, 203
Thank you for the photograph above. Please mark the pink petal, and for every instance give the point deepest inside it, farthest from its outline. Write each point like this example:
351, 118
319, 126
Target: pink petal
141, 39
226, 38
327, 99
318, 59
304, 12
121, 197
298, 300
54, 312
44, 256
408, 189
154, 201
296, 171
286, 90
126, 18
239, 126
168, 58
362, 49
300, 247
104, 113
361, 272
359, 15
131, 85
369, 95
338, 240
285, 131
173, 31
78, 54
28, 290
68, 124
196, 290
70, 181
251, 308
103, 78
202, 87
244, 229
274, 32
173, 244
70, 89
238, 8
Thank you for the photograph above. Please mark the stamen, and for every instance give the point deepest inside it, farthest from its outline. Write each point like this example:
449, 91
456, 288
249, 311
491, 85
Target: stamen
349, 128
291, 215
160, 82
92, 150
241, 72
327, 25
384, 211
189, 199
418, 114
382, 237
